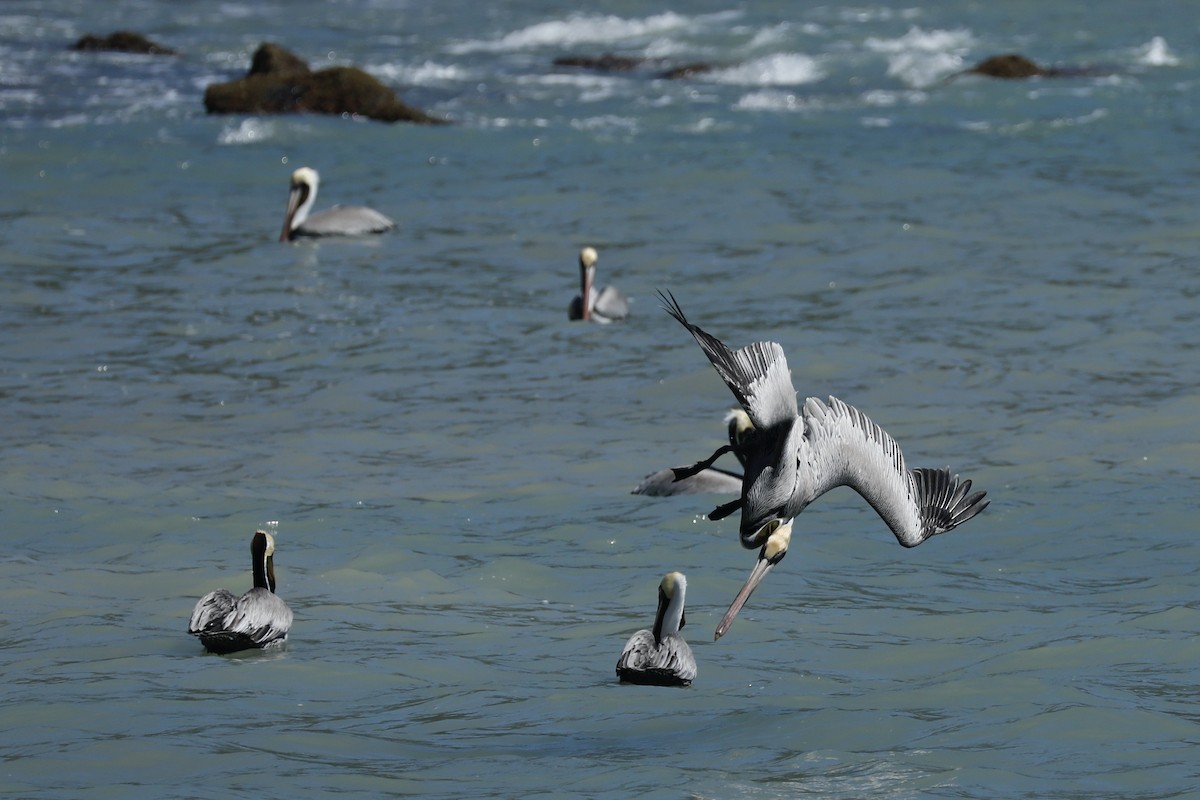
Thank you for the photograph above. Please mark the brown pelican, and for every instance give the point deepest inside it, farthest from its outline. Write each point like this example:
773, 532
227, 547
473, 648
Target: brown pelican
336, 221
604, 305
225, 623
718, 481
661, 657
796, 455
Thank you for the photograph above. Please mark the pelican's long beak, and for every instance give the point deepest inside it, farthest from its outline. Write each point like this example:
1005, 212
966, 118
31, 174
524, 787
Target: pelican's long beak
295, 197
773, 551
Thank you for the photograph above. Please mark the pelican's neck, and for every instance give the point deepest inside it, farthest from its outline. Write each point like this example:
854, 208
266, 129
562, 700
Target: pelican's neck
669, 618
308, 196
262, 563
586, 276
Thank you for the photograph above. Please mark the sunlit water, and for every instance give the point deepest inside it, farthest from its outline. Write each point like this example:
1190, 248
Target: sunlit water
1002, 274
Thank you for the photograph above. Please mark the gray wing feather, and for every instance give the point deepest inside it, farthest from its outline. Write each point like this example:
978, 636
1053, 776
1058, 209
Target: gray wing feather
211, 610
610, 303
225, 624
345, 221
757, 374
663, 483
847, 449
668, 664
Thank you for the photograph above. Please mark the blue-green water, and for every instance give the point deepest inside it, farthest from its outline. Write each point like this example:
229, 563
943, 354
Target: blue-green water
1001, 274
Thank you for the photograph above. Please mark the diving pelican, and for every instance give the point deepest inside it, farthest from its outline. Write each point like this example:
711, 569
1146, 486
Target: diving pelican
660, 657
336, 221
225, 623
796, 455
718, 481
605, 305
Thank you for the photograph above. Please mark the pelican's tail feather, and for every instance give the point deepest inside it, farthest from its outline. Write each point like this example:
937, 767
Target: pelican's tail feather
944, 501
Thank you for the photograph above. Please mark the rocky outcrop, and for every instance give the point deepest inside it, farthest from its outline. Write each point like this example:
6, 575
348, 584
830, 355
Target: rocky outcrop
279, 82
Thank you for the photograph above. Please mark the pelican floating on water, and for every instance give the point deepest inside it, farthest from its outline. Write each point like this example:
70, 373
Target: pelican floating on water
660, 657
225, 623
605, 305
798, 454
710, 480
336, 221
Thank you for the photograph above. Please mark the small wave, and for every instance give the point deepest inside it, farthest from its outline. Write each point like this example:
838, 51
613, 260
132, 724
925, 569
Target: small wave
579, 29
426, 74
920, 58
248, 131
782, 69
775, 100
1155, 53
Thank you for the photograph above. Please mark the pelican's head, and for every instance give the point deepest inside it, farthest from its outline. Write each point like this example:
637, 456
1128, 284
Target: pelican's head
300, 200
587, 276
740, 431
669, 618
775, 547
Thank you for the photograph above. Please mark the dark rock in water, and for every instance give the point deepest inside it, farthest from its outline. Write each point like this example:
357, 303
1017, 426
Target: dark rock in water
1014, 66
687, 71
1008, 66
123, 42
281, 83
271, 59
603, 63
614, 63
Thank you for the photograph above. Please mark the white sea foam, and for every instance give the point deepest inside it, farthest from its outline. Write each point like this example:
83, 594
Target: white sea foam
1155, 53
248, 131
920, 58
781, 69
423, 74
775, 100
579, 29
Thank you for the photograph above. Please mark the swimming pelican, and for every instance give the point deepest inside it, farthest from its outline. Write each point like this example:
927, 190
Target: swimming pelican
225, 623
661, 657
336, 221
796, 455
604, 305
718, 481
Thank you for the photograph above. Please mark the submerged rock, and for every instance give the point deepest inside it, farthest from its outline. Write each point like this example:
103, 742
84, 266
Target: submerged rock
122, 42
279, 82
609, 62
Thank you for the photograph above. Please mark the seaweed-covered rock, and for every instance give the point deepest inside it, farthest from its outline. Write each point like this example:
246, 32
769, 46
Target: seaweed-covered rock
614, 63
281, 83
123, 42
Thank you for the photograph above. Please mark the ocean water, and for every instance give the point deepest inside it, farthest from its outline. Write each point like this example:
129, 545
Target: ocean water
1002, 274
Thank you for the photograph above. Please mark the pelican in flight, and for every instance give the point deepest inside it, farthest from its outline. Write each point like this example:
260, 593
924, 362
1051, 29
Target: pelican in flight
798, 454
710, 480
604, 305
225, 623
336, 221
660, 657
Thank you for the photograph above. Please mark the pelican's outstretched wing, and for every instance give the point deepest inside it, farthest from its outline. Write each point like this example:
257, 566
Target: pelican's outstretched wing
757, 374
846, 448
